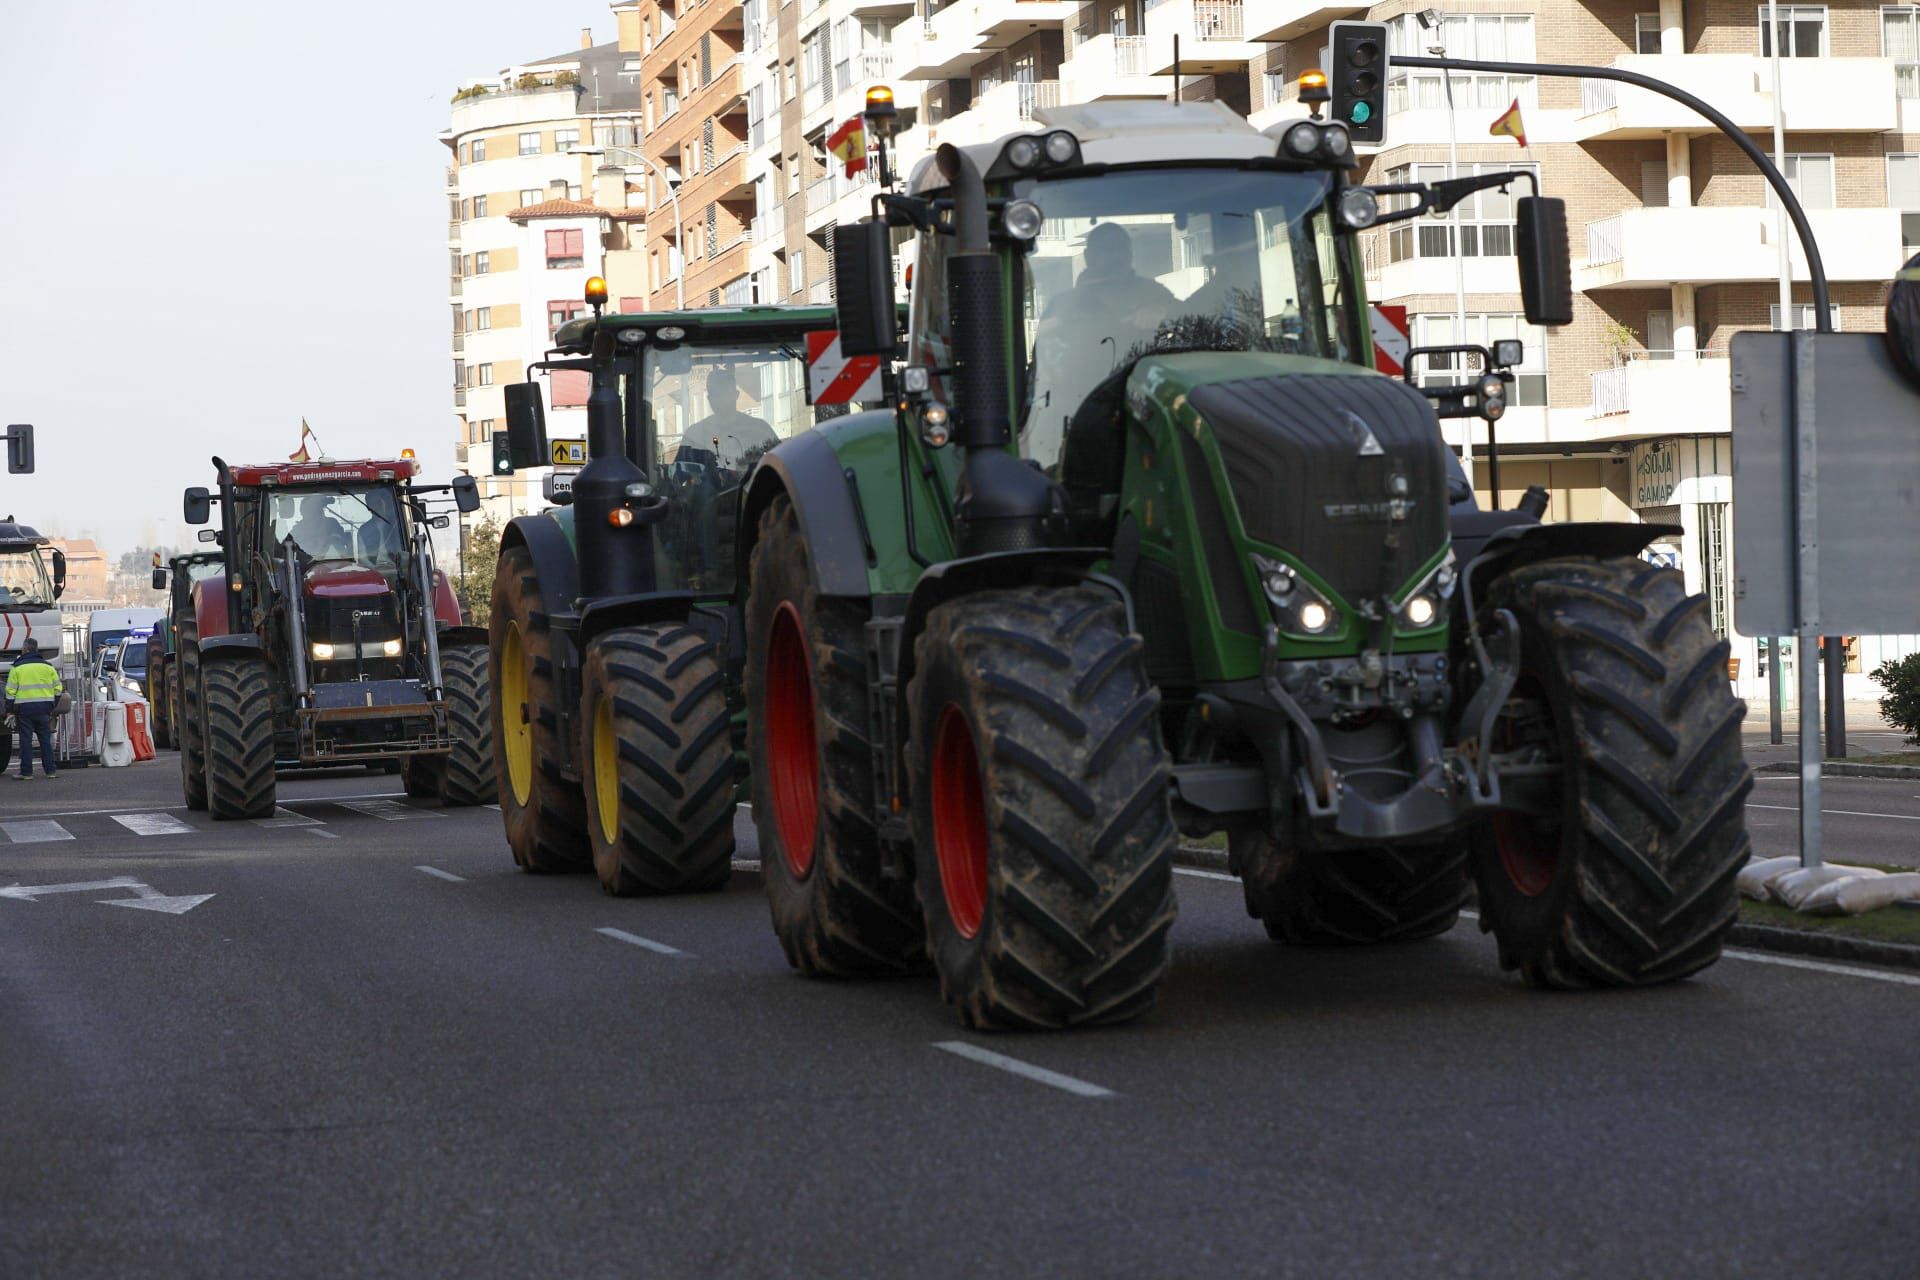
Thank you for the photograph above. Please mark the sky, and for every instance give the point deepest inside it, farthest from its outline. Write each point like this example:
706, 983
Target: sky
217, 219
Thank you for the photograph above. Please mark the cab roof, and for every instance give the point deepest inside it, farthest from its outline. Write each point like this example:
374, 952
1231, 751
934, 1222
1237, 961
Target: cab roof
721, 324
19, 537
330, 471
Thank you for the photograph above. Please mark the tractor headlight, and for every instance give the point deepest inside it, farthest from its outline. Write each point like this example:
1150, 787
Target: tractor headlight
1023, 153
1358, 207
1022, 219
1061, 146
1313, 617
1424, 605
1302, 141
936, 426
322, 652
1420, 611
1298, 606
391, 649
1335, 142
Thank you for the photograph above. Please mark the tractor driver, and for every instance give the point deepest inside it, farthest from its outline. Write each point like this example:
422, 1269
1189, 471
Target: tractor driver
316, 534
732, 432
1111, 304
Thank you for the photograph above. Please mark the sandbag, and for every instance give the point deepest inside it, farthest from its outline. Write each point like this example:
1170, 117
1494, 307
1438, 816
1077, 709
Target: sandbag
1858, 895
1794, 888
1753, 878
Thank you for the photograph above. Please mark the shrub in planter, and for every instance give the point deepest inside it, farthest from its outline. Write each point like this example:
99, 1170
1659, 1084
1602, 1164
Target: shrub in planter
1901, 705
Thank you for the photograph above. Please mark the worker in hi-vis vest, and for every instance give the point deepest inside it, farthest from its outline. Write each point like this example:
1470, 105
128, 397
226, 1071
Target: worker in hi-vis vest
33, 687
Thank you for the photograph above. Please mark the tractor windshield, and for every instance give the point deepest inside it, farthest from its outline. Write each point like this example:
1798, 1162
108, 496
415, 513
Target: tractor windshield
716, 409
358, 525
1161, 260
23, 581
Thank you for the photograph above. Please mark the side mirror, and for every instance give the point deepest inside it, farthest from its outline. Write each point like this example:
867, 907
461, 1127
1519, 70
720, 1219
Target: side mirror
20, 448
209, 535
159, 579
863, 285
198, 507
526, 428
466, 494
59, 573
1546, 270
441, 522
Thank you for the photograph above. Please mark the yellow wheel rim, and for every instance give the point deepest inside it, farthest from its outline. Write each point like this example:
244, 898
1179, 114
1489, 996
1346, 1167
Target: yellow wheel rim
606, 770
516, 715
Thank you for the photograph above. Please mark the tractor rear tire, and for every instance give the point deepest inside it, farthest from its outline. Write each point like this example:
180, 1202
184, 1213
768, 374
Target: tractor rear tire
188, 710
545, 813
160, 709
238, 696
1622, 679
658, 756
466, 771
834, 910
1385, 894
1042, 828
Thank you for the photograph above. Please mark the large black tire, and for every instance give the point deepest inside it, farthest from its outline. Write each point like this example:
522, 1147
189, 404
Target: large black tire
834, 911
658, 761
1042, 829
238, 696
466, 771
1387, 894
6, 747
189, 715
1624, 682
423, 777
160, 707
545, 814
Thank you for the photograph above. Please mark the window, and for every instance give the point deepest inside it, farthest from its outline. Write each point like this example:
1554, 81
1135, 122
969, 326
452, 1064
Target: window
1646, 33
1900, 40
797, 272
564, 140
482, 319
483, 375
479, 206
531, 196
486, 430
1803, 314
1439, 330
480, 261
558, 313
1486, 218
1714, 564
1803, 31
1903, 192
478, 151
530, 143
631, 66
1275, 86
1492, 37
565, 248
1811, 179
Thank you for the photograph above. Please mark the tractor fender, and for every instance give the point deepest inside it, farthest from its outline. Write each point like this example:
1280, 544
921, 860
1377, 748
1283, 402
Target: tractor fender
234, 646
553, 559
446, 606
462, 635
1494, 542
210, 607
954, 578
807, 469
633, 611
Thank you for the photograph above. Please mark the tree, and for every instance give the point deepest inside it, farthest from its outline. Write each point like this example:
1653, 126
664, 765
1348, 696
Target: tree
475, 587
1901, 705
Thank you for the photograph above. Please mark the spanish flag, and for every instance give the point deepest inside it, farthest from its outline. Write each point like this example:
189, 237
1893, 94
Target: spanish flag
849, 145
1509, 125
301, 454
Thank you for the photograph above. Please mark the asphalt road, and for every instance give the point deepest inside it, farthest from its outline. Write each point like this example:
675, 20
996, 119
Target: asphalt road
378, 1049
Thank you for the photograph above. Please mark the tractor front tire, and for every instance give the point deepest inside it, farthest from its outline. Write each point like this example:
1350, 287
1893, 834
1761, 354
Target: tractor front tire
834, 911
423, 777
659, 761
545, 813
466, 771
1041, 822
160, 710
1385, 894
188, 714
238, 696
1631, 881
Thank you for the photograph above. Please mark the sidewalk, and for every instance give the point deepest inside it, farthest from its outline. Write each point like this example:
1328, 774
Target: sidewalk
1867, 734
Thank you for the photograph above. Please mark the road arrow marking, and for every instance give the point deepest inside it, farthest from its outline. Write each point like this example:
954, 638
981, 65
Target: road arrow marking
36, 832
147, 898
172, 906
31, 892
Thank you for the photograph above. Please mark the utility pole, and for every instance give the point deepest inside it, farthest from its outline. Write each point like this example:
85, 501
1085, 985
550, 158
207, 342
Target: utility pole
1432, 20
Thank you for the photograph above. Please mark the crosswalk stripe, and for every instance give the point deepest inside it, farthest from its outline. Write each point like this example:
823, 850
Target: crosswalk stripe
152, 824
36, 832
285, 817
388, 811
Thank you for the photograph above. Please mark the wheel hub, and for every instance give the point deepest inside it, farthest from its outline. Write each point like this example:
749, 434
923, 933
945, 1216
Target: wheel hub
793, 764
959, 822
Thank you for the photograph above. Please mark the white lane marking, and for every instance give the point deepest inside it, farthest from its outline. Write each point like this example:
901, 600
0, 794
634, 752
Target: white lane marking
1205, 875
388, 811
621, 935
152, 824
494, 807
1845, 813
1847, 970
176, 906
285, 817
746, 864
1040, 1075
37, 832
147, 897
180, 808
444, 875
325, 835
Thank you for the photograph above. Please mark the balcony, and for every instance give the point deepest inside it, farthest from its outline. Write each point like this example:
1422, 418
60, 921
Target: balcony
455, 287
1213, 37
1823, 95
459, 397
880, 8
1692, 389
1272, 21
453, 178
963, 33
1108, 67
459, 343
1654, 248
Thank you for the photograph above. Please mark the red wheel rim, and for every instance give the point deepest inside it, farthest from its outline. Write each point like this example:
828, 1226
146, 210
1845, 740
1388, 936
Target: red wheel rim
959, 823
793, 765
1527, 864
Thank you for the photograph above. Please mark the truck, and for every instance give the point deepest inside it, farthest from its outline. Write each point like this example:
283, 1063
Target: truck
326, 636
615, 624
33, 576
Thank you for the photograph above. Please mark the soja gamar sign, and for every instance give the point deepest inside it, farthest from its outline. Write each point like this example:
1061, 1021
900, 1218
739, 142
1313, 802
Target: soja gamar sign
1656, 473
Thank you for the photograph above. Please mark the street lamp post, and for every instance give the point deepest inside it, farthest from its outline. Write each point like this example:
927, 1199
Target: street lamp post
673, 195
1431, 20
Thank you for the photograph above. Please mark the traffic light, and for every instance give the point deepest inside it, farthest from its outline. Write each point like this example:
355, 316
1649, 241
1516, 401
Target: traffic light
502, 459
1357, 66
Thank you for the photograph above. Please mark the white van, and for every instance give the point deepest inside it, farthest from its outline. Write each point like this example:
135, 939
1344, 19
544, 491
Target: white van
106, 628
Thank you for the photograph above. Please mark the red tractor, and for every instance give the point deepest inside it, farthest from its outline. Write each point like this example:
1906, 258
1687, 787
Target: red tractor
327, 637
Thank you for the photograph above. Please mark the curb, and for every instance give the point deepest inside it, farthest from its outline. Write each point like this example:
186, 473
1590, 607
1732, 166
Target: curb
1841, 769
1804, 942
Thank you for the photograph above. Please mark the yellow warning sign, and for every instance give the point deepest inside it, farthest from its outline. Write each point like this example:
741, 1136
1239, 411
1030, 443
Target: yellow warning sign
569, 453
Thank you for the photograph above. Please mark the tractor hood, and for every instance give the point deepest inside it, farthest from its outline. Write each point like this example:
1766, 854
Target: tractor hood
344, 582
1337, 467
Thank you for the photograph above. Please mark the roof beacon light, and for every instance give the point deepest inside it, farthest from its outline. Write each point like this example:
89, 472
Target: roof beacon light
1313, 90
408, 454
880, 98
597, 291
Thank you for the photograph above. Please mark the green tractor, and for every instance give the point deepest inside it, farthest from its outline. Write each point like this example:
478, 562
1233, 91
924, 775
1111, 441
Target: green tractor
614, 640
1147, 547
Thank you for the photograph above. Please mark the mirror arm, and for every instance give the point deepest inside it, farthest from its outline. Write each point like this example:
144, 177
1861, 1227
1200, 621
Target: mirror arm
1439, 197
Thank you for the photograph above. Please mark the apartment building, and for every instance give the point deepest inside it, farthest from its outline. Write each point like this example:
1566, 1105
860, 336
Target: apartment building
533, 212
